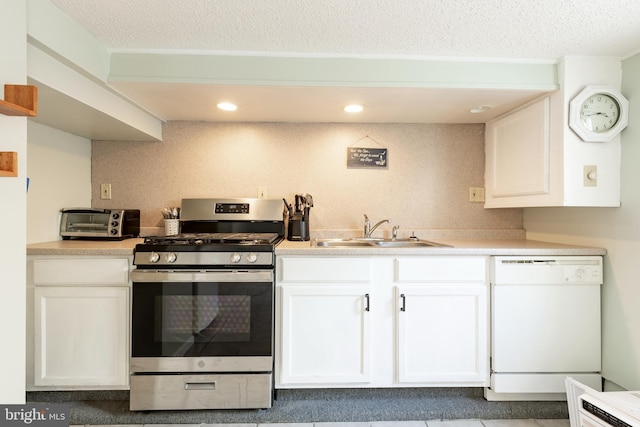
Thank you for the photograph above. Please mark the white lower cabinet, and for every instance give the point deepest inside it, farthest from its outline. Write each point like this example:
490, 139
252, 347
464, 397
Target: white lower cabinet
326, 334
81, 336
442, 332
78, 323
381, 321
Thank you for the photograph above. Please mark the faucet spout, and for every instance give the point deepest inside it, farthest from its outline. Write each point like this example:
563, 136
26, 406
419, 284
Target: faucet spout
368, 229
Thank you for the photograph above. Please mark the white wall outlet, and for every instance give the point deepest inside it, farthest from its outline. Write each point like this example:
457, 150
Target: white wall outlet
590, 176
105, 191
262, 192
476, 194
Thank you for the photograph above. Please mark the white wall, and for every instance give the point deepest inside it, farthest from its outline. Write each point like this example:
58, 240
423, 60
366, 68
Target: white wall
13, 137
59, 165
617, 230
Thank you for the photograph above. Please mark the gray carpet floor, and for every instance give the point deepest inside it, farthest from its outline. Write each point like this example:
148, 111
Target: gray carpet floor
308, 406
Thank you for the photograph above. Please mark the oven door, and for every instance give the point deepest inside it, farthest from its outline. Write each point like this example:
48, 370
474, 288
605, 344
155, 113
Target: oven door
195, 321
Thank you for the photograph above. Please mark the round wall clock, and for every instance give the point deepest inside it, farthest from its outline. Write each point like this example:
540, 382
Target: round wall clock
598, 113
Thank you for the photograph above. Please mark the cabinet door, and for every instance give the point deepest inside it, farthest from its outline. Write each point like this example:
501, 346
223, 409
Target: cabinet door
517, 154
81, 336
325, 334
442, 334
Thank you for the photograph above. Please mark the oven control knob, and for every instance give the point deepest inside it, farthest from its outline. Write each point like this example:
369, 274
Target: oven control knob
235, 257
154, 257
171, 257
252, 257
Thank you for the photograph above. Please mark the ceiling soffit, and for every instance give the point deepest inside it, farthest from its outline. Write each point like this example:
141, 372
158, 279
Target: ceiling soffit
351, 72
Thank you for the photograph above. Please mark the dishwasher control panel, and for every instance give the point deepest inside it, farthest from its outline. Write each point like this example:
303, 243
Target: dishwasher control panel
582, 274
534, 270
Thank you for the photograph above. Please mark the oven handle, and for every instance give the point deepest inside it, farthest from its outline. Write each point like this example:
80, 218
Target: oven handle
251, 276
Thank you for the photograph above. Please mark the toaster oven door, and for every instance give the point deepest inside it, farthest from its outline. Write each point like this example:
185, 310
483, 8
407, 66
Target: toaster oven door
85, 224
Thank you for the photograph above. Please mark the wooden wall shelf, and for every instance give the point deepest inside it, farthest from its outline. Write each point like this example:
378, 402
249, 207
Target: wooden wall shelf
8, 163
20, 100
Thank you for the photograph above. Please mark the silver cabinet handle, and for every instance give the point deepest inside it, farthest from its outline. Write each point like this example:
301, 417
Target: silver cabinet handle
367, 306
403, 307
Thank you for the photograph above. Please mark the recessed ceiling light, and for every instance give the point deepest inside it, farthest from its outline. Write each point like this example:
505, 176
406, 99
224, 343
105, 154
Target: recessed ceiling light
480, 109
353, 108
227, 106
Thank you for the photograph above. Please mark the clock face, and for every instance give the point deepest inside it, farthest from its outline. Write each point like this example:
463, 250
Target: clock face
600, 112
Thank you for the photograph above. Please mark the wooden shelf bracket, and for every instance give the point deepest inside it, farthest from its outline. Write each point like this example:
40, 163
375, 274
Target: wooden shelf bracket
8, 163
20, 100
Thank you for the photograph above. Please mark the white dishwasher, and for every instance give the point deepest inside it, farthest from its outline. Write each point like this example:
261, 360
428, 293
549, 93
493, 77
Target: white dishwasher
545, 325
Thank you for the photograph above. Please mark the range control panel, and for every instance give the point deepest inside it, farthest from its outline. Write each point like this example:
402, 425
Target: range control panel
240, 208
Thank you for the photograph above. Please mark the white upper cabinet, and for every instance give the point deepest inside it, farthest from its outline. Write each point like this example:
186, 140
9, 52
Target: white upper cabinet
517, 152
533, 158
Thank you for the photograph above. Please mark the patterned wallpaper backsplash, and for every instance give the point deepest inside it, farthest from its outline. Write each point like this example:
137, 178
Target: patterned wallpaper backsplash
425, 184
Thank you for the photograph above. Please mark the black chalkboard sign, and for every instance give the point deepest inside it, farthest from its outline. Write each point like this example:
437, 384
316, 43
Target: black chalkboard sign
361, 157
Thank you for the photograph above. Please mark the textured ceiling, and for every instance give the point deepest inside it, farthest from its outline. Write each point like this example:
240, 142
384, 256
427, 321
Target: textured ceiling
539, 29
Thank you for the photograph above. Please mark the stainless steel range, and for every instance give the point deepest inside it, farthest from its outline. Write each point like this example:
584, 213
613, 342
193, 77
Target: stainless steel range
202, 312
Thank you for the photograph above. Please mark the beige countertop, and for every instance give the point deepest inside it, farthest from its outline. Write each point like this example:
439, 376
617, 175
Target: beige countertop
84, 247
457, 247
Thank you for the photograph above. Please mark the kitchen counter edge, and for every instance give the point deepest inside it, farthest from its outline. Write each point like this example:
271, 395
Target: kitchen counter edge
457, 247
84, 247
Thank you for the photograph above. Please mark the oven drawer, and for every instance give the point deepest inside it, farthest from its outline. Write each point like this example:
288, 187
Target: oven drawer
230, 391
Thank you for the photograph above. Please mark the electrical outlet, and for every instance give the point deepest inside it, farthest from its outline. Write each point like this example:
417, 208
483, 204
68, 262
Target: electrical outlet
476, 194
590, 176
105, 191
262, 192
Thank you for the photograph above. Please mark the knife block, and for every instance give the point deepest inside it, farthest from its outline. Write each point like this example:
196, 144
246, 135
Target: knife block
298, 228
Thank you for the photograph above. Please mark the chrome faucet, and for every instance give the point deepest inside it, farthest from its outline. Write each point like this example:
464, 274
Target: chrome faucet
367, 226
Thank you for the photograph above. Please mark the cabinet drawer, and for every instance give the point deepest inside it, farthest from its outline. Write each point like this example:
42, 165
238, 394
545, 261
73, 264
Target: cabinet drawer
440, 269
200, 391
325, 269
81, 271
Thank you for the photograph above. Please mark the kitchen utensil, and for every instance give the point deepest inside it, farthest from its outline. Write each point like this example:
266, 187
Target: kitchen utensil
288, 207
298, 223
171, 213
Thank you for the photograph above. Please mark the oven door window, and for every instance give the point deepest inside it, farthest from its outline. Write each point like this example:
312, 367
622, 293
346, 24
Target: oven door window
198, 319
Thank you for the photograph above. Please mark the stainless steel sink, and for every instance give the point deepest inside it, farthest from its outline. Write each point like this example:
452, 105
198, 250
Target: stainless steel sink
410, 243
373, 242
340, 243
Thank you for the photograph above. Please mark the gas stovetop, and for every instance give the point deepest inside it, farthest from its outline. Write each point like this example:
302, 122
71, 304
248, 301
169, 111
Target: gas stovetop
207, 250
217, 233
214, 239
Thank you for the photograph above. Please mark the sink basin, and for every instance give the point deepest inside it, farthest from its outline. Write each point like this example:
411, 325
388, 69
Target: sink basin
374, 242
406, 244
341, 243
